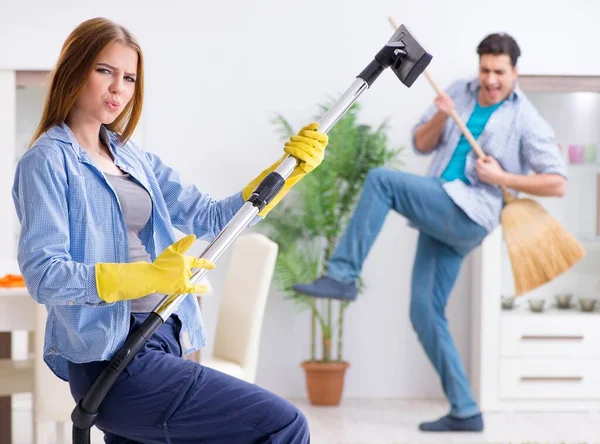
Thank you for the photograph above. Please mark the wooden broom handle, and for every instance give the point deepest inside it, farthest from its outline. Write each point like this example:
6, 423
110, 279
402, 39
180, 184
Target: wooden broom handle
459, 121
454, 114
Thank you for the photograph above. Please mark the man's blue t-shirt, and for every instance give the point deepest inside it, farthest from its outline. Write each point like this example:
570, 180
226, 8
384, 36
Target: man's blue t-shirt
476, 124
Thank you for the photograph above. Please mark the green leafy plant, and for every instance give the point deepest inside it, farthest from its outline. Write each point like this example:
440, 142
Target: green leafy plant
308, 223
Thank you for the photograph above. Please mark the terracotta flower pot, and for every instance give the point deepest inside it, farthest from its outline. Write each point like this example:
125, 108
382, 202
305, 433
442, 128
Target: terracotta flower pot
325, 381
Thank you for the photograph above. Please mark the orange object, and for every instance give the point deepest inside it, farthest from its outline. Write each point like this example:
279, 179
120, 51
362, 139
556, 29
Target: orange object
12, 280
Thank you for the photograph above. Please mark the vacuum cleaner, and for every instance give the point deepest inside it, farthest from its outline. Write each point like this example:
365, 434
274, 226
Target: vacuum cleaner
407, 59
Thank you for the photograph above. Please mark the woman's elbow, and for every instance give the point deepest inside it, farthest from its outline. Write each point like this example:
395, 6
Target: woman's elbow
39, 293
37, 280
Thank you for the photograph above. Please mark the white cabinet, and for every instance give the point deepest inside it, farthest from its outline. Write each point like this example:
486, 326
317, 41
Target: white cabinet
549, 379
8, 95
22, 95
521, 360
548, 361
555, 334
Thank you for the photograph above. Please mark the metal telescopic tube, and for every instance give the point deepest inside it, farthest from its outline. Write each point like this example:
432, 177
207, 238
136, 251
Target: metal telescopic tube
339, 108
246, 214
212, 253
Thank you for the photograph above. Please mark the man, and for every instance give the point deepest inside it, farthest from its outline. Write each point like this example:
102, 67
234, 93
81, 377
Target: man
454, 207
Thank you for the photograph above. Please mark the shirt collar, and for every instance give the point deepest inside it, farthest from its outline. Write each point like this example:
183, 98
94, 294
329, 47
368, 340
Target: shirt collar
474, 86
63, 133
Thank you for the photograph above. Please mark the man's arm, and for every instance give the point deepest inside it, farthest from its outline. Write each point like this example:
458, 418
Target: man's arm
537, 184
543, 184
540, 153
428, 132
427, 136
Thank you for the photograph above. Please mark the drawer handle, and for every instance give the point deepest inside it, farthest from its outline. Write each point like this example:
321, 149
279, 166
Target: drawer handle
551, 378
551, 338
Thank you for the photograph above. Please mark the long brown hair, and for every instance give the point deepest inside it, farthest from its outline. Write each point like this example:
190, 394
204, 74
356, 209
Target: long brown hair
78, 57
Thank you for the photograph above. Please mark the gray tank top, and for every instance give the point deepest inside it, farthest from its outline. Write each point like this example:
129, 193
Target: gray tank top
137, 208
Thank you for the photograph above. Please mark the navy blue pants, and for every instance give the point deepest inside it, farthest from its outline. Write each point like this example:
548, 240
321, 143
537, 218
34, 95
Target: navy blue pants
163, 398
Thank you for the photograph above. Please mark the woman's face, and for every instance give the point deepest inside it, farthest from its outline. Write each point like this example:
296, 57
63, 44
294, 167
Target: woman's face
111, 85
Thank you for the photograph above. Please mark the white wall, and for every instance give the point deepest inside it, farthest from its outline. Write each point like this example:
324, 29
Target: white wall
218, 71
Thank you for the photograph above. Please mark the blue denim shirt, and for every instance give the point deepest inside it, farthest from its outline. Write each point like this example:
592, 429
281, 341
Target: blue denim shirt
70, 219
515, 135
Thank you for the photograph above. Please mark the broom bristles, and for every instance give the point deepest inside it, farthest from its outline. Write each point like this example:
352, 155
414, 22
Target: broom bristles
539, 247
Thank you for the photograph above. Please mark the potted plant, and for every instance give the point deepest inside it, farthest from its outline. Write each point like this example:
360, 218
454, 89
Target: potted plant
307, 225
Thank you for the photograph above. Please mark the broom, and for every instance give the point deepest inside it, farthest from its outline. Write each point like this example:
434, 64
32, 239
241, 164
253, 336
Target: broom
539, 247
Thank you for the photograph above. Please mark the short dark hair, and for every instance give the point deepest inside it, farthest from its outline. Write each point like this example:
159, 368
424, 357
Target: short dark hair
500, 43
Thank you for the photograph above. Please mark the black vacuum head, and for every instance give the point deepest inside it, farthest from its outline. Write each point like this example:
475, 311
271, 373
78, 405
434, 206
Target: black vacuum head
412, 58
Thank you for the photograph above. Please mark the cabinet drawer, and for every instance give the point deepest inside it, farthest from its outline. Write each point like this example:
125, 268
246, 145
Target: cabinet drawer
547, 335
545, 379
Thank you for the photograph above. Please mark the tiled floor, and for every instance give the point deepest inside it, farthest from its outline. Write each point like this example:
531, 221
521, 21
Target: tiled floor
395, 422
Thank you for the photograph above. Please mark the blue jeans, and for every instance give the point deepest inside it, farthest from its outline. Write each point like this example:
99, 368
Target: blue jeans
446, 236
162, 398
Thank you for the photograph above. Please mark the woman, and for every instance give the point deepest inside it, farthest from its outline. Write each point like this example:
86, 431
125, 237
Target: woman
97, 248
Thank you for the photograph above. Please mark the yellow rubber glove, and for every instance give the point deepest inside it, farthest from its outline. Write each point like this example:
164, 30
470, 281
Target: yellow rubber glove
308, 146
169, 274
